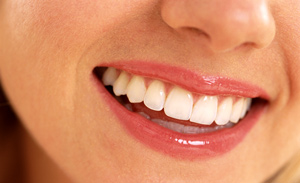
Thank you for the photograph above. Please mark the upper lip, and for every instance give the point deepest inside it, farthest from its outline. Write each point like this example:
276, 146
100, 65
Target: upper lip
187, 146
191, 80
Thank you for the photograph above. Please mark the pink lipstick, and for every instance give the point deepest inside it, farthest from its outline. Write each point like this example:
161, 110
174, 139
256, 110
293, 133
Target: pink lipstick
180, 145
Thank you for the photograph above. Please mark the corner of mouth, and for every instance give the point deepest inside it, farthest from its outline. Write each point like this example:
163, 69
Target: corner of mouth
180, 123
204, 129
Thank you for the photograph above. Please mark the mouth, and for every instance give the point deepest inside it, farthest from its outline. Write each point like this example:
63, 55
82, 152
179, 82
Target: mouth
175, 118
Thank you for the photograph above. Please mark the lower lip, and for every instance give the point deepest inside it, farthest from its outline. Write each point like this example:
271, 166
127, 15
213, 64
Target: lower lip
177, 145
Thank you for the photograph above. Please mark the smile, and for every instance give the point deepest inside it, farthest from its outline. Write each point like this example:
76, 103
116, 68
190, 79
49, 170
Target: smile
178, 116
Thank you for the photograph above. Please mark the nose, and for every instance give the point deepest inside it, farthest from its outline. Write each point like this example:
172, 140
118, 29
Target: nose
226, 24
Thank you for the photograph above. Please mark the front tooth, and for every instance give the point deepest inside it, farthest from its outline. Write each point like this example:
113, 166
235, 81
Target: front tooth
179, 104
136, 89
224, 111
121, 83
205, 110
155, 96
110, 76
237, 110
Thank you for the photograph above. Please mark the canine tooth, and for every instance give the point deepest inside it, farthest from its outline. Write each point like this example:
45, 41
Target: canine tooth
179, 104
224, 111
110, 76
136, 89
121, 83
237, 110
205, 110
155, 96
246, 106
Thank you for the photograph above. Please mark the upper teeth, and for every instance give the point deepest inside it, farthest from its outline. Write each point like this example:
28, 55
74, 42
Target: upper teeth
155, 96
177, 103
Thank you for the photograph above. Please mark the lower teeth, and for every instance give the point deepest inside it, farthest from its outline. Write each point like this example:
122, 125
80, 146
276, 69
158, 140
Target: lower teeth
189, 129
179, 127
173, 125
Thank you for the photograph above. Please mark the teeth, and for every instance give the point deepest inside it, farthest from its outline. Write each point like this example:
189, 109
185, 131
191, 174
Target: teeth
237, 110
179, 104
246, 105
205, 110
136, 89
155, 96
128, 106
109, 76
188, 129
144, 115
224, 111
120, 84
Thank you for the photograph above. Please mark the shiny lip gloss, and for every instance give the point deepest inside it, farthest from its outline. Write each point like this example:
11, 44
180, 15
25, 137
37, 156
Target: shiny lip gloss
175, 144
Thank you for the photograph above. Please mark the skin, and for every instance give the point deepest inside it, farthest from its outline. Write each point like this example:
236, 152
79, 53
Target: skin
49, 48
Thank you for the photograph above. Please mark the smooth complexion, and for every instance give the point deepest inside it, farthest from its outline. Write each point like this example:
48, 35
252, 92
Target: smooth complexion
49, 48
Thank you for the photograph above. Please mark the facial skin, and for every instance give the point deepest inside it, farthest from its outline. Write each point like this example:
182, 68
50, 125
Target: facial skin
49, 48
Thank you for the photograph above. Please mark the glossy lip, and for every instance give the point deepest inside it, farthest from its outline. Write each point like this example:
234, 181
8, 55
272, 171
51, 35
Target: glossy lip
191, 80
174, 144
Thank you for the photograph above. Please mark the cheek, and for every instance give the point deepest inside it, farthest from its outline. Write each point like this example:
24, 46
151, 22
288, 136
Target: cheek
289, 26
43, 44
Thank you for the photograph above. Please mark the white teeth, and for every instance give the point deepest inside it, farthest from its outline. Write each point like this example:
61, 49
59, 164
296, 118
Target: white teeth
246, 105
155, 96
136, 89
179, 104
205, 110
237, 110
109, 76
224, 111
120, 84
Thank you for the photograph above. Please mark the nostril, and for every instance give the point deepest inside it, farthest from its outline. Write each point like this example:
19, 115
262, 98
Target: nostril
227, 25
245, 46
197, 32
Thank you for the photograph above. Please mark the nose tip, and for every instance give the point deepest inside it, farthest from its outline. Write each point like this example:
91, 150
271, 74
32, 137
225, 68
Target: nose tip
225, 24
